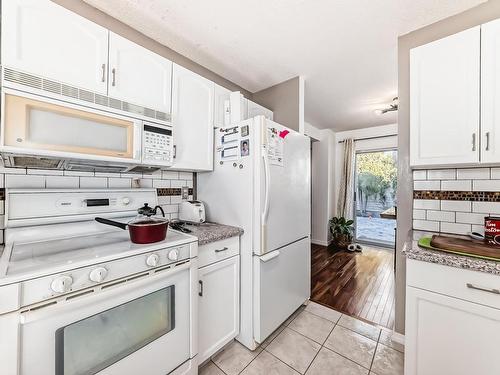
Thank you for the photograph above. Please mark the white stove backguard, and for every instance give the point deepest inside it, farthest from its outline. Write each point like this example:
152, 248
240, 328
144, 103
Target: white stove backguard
28, 207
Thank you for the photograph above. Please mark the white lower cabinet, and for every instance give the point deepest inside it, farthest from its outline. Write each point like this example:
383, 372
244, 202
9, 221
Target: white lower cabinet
451, 334
218, 304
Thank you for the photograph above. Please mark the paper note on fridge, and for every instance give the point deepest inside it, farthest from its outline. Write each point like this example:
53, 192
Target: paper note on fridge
275, 146
230, 152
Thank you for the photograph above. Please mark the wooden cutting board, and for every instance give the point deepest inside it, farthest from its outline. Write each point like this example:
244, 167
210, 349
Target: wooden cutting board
461, 246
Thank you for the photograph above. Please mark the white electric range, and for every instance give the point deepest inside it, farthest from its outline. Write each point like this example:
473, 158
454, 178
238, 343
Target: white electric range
78, 297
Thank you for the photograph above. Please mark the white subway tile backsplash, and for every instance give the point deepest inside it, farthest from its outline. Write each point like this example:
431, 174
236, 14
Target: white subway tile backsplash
170, 208
161, 183
420, 175
146, 183
462, 206
78, 173
170, 175
62, 182
441, 174
491, 207
441, 216
455, 228
486, 185
6, 170
419, 214
426, 185
185, 176
175, 199
432, 226
24, 181
426, 204
157, 174
177, 183
455, 216
119, 183
495, 173
456, 185
93, 182
163, 200
470, 218
473, 173
478, 229
45, 172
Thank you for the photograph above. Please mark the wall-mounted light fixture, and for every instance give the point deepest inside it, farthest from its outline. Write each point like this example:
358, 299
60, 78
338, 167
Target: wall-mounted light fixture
391, 107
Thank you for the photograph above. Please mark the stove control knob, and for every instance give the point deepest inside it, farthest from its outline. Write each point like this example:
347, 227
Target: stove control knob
173, 255
97, 275
125, 201
153, 260
61, 284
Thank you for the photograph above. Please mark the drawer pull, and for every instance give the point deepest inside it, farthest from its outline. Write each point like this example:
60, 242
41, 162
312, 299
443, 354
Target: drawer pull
221, 250
489, 290
200, 290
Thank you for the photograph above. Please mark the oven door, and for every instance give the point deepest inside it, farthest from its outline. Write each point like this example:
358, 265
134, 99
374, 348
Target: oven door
32, 125
137, 327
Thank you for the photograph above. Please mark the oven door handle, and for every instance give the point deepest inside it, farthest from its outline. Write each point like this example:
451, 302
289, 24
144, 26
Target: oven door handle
95, 302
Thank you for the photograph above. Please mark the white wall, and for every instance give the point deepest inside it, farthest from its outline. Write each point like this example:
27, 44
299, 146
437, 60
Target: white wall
322, 176
363, 145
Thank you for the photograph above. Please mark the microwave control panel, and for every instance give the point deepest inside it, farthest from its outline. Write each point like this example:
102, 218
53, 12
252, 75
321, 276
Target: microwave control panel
157, 144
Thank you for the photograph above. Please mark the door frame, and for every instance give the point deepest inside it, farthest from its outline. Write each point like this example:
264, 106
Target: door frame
355, 195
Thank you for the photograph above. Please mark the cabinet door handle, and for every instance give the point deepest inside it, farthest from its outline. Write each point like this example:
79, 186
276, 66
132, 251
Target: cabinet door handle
200, 292
221, 250
175, 151
473, 141
103, 76
489, 290
487, 141
113, 72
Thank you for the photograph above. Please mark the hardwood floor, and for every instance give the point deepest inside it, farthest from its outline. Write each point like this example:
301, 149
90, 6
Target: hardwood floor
358, 284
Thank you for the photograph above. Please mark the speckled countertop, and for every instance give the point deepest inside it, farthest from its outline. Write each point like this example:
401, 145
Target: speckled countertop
413, 251
211, 232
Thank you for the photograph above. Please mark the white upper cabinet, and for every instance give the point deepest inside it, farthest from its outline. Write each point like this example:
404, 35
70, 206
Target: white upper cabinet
444, 100
45, 39
255, 109
192, 120
222, 106
137, 75
490, 92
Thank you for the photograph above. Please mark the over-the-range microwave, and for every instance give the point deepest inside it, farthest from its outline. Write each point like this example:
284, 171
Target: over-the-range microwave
42, 132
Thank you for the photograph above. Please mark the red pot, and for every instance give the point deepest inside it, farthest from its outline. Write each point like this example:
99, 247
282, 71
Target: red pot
143, 230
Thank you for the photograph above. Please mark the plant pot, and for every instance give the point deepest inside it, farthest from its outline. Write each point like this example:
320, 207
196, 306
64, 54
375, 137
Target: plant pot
341, 241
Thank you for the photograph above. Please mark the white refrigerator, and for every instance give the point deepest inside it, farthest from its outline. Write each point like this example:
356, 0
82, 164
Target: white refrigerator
261, 182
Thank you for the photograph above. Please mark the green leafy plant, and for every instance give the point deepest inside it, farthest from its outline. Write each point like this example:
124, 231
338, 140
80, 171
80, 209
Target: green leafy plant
339, 226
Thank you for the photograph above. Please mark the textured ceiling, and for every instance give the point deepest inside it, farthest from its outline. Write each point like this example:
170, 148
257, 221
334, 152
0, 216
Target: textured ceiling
345, 49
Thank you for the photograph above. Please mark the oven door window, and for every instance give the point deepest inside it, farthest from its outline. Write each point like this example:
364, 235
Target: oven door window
94, 343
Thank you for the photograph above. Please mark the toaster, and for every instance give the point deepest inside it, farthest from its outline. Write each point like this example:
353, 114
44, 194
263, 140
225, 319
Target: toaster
192, 211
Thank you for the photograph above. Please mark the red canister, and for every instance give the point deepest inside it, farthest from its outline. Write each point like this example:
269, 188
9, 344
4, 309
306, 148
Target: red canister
492, 229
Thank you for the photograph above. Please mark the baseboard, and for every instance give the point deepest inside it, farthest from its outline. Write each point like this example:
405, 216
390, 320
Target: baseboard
398, 337
320, 242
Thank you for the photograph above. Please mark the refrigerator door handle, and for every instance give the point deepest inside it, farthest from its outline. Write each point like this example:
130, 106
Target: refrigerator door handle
268, 257
266, 190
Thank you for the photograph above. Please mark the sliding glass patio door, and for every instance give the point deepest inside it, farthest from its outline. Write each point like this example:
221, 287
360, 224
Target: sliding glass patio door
375, 197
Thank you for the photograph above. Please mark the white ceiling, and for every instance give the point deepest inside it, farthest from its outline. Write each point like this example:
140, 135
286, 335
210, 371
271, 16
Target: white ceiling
345, 49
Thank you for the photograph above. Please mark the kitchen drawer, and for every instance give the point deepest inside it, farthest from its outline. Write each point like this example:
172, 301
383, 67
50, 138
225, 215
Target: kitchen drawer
218, 250
455, 282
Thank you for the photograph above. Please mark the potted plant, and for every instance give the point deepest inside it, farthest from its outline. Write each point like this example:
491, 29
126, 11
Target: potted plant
341, 230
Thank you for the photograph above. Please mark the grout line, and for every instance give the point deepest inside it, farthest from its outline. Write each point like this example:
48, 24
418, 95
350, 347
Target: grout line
215, 364
264, 350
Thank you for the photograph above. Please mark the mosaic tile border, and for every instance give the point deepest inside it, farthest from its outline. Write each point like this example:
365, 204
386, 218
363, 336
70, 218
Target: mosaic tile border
470, 196
167, 192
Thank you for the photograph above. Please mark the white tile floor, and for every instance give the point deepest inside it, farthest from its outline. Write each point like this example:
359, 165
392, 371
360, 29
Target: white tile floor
315, 340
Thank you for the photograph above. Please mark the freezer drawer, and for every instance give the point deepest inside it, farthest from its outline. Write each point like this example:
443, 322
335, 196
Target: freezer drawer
282, 282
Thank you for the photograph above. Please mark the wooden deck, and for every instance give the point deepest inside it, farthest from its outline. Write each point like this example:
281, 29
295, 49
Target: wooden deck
358, 284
